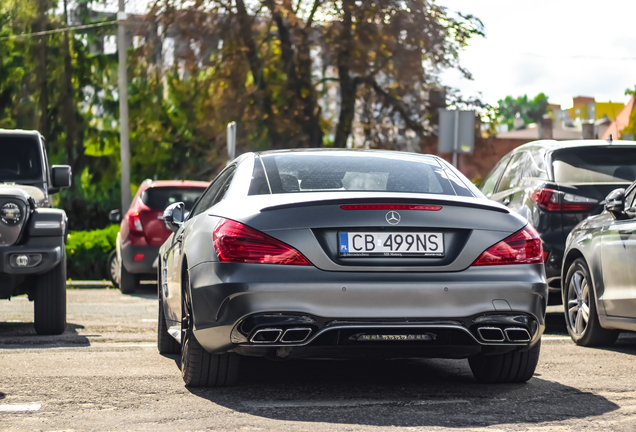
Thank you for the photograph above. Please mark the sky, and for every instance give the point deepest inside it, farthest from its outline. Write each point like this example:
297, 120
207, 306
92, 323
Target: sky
563, 48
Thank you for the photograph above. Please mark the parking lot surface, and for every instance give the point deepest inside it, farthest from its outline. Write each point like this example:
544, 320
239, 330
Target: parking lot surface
104, 373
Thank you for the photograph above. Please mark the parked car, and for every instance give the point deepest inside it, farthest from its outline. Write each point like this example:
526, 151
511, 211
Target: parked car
341, 253
32, 234
557, 184
143, 230
600, 272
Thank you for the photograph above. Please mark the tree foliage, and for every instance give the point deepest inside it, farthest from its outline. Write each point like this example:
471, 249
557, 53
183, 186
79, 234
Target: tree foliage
530, 110
291, 74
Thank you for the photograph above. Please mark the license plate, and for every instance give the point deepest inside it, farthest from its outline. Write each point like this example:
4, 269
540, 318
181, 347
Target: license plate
387, 244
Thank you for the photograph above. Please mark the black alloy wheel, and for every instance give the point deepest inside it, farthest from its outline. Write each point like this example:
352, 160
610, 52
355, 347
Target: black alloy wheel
200, 368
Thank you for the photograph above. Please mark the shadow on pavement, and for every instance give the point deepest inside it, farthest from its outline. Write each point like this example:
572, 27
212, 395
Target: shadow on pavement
145, 290
555, 324
23, 335
397, 393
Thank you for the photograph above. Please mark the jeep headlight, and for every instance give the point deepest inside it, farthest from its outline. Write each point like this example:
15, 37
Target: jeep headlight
10, 213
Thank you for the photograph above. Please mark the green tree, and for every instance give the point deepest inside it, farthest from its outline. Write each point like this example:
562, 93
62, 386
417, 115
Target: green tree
391, 49
268, 65
530, 110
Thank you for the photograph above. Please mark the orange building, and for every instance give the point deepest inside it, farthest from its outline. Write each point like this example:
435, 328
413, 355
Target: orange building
586, 108
617, 127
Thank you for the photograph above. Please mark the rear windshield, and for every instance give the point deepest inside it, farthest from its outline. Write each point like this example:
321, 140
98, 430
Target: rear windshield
20, 159
350, 171
158, 197
595, 165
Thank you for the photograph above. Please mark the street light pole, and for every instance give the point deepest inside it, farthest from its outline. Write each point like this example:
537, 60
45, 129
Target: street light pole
123, 108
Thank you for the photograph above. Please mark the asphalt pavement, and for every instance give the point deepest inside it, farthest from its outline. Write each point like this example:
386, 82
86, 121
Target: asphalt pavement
104, 374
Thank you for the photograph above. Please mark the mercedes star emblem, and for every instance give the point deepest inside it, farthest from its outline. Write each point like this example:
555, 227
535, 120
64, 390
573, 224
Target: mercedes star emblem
393, 217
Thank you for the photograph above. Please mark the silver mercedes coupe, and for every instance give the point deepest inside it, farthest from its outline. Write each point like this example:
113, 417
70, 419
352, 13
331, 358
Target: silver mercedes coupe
349, 254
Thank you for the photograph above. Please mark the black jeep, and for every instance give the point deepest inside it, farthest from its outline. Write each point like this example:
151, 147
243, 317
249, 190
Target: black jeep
32, 234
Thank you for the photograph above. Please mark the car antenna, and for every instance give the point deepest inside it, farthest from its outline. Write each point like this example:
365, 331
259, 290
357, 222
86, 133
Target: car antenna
609, 139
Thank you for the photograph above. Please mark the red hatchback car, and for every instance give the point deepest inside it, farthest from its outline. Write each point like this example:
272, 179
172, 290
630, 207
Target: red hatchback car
143, 230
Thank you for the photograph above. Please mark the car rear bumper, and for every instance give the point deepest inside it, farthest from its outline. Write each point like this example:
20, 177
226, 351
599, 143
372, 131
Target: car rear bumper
232, 302
140, 259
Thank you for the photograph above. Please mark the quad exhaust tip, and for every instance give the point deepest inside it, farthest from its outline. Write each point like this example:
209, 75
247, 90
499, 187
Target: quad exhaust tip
296, 335
515, 334
268, 335
273, 335
511, 334
491, 334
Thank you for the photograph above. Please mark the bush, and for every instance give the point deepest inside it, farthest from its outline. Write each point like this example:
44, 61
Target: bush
87, 253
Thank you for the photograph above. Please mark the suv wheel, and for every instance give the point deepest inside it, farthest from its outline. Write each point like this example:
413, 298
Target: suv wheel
512, 367
50, 300
112, 268
127, 281
579, 302
199, 368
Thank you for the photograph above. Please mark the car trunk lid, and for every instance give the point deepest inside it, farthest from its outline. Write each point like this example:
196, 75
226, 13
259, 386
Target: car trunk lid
462, 228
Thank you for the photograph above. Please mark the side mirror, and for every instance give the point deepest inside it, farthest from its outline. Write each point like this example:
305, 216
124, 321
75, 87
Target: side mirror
174, 215
114, 216
615, 201
61, 176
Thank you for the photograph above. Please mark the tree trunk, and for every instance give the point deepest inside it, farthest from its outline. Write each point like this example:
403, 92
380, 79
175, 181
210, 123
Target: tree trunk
348, 85
263, 97
41, 76
307, 94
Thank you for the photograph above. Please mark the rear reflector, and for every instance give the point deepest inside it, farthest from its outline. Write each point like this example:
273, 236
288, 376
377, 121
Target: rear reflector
138, 257
522, 247
391, 207
235, 242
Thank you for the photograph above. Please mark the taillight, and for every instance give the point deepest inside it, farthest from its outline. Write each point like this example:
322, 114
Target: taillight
547, 199
235, 242
522, 247
552, 200
134, 222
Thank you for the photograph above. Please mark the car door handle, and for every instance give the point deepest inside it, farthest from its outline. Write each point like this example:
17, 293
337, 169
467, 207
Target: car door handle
180, 237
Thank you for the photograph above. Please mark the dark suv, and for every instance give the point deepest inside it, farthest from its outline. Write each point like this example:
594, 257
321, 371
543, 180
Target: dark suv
143, 230
557, 184
32, 234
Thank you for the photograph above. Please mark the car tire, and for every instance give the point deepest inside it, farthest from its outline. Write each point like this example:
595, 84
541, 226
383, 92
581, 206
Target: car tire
112, 269
50, 300
128, 282
200, 368
579, 299
165, 342
512, 367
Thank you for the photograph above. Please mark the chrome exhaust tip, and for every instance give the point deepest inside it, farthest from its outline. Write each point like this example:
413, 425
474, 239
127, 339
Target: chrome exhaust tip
268, 335
517, 334
296, 335
491, 334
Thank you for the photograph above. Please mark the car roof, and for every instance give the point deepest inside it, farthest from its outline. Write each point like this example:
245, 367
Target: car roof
343, 150
558, 145
175, 183
19, 132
